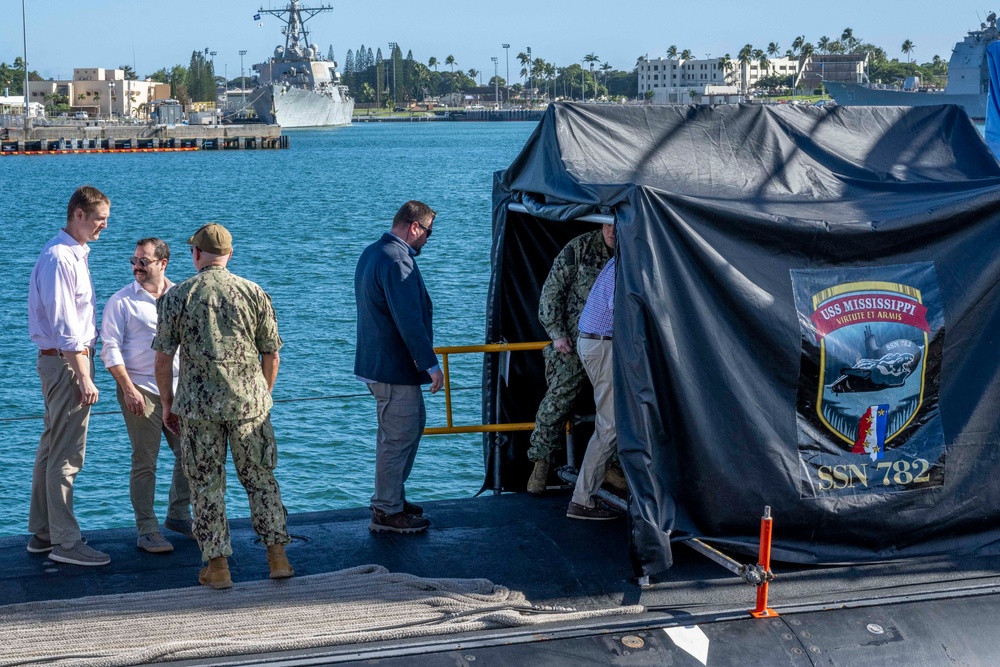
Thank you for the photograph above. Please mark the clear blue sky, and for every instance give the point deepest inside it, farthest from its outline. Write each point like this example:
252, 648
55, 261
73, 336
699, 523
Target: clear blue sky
63, 34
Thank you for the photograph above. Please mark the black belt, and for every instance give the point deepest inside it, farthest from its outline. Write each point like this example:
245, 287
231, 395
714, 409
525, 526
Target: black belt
590, 336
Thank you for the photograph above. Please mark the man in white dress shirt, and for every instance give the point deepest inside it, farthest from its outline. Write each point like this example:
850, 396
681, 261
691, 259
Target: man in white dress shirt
127, 329
62, 322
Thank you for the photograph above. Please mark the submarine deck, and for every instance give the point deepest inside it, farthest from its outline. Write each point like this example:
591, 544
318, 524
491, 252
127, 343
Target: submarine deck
526, 544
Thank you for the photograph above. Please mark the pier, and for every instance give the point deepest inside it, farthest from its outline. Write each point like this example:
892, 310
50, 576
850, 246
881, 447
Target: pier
106, 138
479, 115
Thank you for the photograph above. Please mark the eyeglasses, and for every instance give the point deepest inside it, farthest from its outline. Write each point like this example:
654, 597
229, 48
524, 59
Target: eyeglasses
427, 229
141, 262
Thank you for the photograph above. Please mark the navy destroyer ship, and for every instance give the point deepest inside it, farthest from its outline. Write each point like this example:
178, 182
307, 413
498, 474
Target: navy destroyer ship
968, 80
297, 87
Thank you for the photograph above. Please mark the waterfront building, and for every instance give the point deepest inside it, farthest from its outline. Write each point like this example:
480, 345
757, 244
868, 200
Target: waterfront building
101, 93
749, 73
840, 67
708, 81
692, 81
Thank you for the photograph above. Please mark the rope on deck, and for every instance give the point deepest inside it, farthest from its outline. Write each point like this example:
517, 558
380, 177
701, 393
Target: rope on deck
361, 604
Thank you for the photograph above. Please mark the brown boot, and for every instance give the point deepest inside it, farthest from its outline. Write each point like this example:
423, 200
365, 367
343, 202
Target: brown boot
539, 477
216, 574
278, 562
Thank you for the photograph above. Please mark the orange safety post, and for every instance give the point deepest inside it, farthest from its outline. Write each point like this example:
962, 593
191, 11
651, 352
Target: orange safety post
447, 388
764, 567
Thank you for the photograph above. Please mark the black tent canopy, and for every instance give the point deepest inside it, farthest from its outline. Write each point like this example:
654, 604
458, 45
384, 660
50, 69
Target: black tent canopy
805, 317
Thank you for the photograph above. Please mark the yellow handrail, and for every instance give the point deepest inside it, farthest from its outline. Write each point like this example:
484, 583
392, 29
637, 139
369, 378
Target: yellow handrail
467, 349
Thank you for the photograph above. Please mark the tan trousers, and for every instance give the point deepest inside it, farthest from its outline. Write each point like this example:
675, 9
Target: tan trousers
144, 433
60, 452
596, 357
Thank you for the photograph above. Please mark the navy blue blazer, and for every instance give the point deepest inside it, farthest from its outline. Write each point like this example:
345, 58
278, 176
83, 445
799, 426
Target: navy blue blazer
395, 332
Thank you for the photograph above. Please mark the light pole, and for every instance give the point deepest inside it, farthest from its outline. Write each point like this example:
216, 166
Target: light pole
531, 81
243, 83
24, 33
111, 100
592, 78
496, 83
506, 48
392, 52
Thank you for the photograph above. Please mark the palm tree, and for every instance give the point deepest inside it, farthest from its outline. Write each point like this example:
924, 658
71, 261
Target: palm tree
672, 52
473, 73
773, 49
797, 44
450, 60
908, 47
726, 65
605, 68
433, 62
590, 59
823, 44
524, 59
806, 51
762, 61
686, 54
847, 37
744, 57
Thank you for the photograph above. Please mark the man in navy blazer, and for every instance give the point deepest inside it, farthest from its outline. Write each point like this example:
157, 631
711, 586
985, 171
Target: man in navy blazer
394, 357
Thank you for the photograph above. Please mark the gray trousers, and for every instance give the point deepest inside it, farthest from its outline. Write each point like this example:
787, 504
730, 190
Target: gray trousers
61, 451
144, 433
401, 421
596, 357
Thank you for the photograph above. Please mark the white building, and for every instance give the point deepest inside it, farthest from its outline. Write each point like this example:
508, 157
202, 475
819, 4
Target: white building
102, 92
748, 74
711, 81
675, 81
13, 105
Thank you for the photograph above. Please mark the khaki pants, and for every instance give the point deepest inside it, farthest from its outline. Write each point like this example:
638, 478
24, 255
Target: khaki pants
144, 433
61, 451
596, 357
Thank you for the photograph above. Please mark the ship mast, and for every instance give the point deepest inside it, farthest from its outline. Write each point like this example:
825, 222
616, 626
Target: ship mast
296, 35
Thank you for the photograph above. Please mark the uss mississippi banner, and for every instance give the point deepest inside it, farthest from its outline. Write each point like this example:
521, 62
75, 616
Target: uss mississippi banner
868, 418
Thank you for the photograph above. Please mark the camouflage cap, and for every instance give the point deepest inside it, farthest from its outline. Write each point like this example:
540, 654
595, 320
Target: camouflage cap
213, 238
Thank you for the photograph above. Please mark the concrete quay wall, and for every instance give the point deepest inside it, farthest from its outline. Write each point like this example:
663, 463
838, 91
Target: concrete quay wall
59, 139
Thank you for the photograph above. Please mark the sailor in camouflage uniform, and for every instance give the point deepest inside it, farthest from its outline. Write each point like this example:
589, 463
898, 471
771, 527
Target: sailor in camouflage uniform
226, 333
563, 297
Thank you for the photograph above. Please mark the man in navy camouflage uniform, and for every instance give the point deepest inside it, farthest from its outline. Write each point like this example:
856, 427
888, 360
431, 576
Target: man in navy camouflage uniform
226, 333
563, 297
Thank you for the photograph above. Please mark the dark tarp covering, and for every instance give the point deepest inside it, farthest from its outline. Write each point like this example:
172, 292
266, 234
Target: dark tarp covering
806, 318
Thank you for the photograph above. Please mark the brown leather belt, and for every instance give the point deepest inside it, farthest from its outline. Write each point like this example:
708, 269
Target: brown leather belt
58, 353
590, 336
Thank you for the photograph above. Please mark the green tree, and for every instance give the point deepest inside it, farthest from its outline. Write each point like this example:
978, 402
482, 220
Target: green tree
907, 48
686, 54
849, 40
672, 52
433, 62
743, 58
450, 61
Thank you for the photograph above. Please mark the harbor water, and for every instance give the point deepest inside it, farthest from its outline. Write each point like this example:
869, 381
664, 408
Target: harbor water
299, 219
